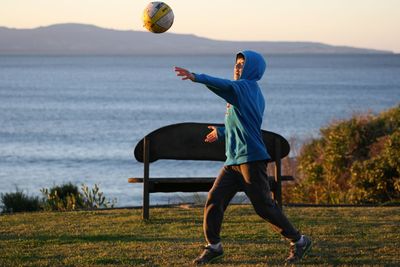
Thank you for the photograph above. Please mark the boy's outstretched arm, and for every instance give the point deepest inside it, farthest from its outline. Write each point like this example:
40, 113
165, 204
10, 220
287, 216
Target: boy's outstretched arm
222, 87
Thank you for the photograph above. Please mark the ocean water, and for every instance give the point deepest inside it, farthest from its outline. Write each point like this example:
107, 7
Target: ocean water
77, 119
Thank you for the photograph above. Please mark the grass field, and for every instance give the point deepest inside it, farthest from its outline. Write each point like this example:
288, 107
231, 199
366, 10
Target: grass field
367, 236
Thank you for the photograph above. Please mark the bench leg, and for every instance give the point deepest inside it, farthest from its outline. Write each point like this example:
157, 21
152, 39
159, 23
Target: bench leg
146, 207
278, 174
146, 197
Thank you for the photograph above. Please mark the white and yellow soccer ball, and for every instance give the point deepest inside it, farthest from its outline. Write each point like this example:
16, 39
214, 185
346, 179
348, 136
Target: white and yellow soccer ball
158, 17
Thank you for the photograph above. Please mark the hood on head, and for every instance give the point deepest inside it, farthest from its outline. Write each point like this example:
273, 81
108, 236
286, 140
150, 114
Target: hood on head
254, 65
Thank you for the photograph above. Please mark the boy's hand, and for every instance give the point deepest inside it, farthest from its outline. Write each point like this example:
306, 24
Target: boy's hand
212, 136
185, 74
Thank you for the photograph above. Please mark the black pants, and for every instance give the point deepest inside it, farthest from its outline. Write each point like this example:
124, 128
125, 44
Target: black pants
253, 178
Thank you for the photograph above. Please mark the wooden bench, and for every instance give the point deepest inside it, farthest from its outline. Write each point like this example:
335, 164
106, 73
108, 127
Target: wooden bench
185, 141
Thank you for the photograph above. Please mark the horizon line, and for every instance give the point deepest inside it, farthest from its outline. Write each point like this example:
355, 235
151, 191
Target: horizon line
198, 36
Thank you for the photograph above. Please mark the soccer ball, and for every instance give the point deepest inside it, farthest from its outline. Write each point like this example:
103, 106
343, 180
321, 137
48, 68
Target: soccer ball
158, 17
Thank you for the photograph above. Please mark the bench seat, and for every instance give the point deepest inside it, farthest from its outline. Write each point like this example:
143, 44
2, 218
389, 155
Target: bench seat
192, 184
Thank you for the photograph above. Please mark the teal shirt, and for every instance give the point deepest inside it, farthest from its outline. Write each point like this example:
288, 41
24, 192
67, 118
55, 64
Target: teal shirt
245, 109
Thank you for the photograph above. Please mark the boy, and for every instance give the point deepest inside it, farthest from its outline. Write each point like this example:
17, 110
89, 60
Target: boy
246, 156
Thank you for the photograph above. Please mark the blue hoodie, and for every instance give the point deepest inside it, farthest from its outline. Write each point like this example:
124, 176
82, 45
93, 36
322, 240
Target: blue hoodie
245, 109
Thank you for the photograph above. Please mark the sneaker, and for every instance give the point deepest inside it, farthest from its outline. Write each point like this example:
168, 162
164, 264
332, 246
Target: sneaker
298, 251
209, 255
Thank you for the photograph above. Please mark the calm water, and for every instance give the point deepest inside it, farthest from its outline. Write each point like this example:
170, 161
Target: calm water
77, 119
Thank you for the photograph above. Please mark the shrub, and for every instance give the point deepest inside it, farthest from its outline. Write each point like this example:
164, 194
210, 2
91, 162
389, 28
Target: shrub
62, 198
354, 161
18, 202
377, 180
94, 199
68, 197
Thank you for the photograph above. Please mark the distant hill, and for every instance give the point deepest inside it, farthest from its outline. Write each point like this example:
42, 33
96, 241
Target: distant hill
81, 39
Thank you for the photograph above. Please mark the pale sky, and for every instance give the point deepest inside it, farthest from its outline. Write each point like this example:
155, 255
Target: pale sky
360, 23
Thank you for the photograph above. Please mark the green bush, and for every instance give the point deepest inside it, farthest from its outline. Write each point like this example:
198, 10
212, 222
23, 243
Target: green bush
68, 197
94, 199
65, 197
62, 198
19, 202
354, 161
377, 180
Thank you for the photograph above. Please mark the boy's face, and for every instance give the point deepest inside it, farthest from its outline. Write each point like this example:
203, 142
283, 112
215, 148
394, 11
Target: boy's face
237, 72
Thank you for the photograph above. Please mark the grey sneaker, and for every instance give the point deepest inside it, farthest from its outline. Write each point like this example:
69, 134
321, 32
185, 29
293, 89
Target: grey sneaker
209, 255
298, 251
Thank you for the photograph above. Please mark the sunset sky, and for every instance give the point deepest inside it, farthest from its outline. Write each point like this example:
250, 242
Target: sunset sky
360, 23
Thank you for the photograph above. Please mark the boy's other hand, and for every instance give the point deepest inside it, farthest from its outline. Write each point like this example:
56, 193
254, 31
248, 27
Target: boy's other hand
212, 136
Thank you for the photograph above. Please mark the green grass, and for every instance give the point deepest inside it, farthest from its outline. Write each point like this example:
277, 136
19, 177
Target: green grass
342, 237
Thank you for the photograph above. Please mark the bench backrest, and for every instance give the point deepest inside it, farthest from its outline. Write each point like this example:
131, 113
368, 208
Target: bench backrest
185, 141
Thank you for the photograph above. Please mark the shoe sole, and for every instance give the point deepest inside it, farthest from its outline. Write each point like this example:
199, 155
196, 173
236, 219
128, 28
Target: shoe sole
210, 261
